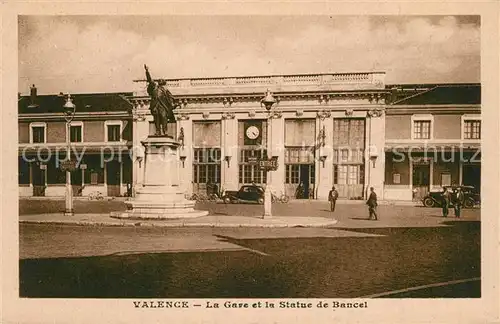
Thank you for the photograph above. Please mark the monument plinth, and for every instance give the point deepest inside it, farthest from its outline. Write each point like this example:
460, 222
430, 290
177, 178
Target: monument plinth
161, 196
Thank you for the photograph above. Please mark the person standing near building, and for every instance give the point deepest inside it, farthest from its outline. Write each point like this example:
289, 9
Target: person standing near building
445, 203
458, 201
372, 204
332, 198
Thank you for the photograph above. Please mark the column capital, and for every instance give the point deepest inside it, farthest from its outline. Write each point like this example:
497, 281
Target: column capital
182, 116
228, 115
376, 112
323, 114
275, 114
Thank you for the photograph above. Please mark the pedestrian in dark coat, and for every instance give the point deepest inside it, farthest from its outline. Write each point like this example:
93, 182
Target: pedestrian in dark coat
458, 201
332, 198
372, 204
445, 203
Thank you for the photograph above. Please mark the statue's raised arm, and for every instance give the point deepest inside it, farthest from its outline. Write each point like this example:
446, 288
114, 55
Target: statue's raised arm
148, 75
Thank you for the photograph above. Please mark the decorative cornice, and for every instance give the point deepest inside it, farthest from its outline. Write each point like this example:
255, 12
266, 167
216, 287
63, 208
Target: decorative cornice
324, 97
227, 102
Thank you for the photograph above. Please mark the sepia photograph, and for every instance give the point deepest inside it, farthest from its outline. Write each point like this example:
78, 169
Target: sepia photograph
250, 161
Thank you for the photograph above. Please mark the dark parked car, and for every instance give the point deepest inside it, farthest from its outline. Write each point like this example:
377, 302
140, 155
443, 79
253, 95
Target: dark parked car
434, 198
248, 193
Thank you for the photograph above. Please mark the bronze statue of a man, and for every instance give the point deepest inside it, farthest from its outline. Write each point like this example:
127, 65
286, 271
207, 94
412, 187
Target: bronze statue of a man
162, 104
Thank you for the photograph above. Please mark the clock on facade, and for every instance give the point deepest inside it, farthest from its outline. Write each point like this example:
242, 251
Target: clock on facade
252, 132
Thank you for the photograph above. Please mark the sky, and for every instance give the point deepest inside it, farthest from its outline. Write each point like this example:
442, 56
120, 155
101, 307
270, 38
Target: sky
95, 54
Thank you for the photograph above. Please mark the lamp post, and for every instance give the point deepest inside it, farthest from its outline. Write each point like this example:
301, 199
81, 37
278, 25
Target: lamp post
268, 101
69, 113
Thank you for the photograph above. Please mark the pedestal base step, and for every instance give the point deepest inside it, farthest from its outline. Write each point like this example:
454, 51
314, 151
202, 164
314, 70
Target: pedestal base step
159, 215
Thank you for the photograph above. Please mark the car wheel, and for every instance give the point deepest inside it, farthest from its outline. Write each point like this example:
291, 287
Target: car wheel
428, 202
469, 203
260, 201
227, 200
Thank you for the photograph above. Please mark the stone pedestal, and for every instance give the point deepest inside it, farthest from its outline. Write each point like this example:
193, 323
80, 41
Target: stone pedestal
161, 196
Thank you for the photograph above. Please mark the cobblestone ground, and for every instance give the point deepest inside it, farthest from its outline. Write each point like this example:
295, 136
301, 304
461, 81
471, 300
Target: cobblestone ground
99, 262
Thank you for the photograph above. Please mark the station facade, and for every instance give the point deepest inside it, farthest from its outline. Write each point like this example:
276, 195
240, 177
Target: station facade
348, 130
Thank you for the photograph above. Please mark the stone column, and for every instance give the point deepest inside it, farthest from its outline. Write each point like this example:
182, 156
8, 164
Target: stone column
324, 154
276, 147
229, 179
140, 128
375, 151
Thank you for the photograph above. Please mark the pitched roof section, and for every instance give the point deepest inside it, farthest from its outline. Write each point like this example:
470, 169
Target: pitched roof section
444, 94
84, 103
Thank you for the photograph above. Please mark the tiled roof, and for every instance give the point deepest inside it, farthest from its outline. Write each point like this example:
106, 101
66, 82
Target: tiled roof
444, 94
84, 103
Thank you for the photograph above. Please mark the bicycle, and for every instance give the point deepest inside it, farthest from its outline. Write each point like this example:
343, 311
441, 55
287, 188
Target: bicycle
96, 195
281, 199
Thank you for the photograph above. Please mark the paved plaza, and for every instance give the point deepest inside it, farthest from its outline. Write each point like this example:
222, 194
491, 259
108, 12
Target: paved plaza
409, 252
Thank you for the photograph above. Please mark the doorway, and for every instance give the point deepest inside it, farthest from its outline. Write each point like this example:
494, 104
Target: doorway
38, 180
305, 189
76, 182
113, 178
421, 182
471, 176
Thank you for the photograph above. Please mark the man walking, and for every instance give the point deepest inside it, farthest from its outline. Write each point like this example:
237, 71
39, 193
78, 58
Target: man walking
332, 198
445, 196
458, 201
372, 204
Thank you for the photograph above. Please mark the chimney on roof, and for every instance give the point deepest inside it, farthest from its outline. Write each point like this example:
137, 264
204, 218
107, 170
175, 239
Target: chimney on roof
33, 97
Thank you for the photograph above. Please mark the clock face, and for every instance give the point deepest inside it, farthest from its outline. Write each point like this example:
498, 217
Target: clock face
252, 132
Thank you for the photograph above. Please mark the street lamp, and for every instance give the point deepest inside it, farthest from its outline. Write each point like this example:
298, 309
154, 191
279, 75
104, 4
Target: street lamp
69, 113
268, 101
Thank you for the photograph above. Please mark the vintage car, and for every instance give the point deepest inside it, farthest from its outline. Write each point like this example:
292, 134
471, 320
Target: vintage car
434, 198
247, 193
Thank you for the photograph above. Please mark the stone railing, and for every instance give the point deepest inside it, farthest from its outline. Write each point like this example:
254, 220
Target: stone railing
299, 82
260, 80
299, 79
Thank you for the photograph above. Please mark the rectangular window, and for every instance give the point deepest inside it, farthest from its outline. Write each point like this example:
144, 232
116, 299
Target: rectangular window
422, 129
206, 165
113, 133
396, 178
353, 174
341, 174
38, 133
349, 131
312, 174
249, 172
445, 179
292, 173
472, 129
75, 134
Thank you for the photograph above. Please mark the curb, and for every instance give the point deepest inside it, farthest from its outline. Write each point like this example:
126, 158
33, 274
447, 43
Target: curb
146, 224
